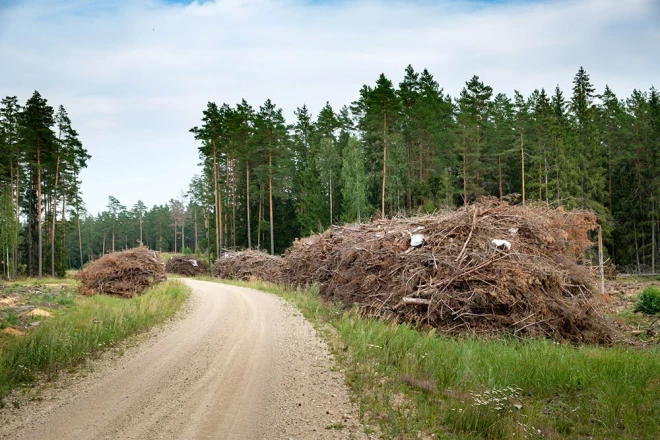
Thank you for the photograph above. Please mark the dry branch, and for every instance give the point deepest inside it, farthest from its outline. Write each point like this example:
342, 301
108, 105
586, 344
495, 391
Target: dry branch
249, 265
124, 274
187, 265
456, 280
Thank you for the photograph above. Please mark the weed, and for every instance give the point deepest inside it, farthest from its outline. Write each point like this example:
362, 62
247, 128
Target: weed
649, 301
12, 318
337, 426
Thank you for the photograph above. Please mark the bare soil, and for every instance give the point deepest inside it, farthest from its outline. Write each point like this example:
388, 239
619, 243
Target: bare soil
239, 364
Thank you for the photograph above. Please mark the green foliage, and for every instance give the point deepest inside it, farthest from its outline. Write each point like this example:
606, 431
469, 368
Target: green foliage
648, 301
355, 196
8, 231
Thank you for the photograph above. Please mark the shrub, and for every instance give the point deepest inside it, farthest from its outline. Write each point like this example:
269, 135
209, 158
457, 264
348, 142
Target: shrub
649, 301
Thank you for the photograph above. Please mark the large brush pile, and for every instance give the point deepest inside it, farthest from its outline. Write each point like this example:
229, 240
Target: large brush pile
187, 265
458, 280
124, 274
249, 265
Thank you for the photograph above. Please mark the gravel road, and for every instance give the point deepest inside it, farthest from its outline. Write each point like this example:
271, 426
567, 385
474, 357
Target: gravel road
239, 364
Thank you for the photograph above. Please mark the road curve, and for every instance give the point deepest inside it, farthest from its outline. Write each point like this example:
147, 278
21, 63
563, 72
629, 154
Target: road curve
240, 364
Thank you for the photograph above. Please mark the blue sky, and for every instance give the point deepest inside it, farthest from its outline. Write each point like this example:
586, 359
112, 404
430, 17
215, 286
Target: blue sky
136, 75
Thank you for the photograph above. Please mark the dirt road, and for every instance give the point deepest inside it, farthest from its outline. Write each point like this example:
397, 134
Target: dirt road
240, 364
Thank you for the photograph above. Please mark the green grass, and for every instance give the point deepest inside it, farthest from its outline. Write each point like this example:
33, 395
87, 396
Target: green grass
85, 326
416, 383
36, 281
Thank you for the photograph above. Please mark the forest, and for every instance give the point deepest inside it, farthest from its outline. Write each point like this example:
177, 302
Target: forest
395, 151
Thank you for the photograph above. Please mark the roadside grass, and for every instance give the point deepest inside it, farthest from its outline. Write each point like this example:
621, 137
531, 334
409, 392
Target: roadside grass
21, 282
80, 328
422, 385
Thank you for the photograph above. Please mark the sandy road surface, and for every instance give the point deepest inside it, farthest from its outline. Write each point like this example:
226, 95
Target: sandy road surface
241, 364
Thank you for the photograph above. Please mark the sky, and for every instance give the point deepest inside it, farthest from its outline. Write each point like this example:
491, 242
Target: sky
136, 75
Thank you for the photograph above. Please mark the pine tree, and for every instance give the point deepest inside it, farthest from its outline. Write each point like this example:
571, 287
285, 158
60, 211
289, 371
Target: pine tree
39, 143
353, 173
504, 145
377, 112
245, 130
522, 109
473, 126
272, 135
9, 144
542, 118
211, 134
115, 209
587, 152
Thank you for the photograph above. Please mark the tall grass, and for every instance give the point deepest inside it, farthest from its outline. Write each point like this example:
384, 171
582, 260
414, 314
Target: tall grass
90, 325
416, 383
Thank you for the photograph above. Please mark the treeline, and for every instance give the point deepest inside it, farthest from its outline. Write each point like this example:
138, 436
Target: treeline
414, 148
40, 161
396, 150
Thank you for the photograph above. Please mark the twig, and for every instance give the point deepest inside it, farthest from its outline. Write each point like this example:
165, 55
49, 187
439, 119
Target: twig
474, 222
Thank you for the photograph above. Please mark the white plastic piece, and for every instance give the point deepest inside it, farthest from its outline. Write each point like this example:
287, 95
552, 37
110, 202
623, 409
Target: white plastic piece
513, 231
501, 244
193, 262
416, 240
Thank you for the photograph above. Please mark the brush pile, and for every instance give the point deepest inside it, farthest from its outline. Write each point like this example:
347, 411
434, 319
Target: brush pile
126, 274
249, 265
187, 265
485, 269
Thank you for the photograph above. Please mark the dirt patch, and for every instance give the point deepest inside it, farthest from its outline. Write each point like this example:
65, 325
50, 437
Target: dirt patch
484, 269
40, 312
13, 331
124, 274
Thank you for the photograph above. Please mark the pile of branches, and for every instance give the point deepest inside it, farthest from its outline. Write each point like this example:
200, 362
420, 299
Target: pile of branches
187, 265
126, 274
458, 279
249, 265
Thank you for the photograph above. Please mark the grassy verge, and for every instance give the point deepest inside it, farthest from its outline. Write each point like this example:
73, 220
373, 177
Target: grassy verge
421, 385
81, 327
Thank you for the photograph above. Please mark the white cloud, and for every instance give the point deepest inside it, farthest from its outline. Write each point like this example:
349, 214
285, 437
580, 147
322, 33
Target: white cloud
135, 76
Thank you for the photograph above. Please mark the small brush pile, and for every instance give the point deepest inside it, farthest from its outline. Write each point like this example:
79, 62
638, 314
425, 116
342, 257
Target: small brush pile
187, 265
126, 274
249, 265
487, 268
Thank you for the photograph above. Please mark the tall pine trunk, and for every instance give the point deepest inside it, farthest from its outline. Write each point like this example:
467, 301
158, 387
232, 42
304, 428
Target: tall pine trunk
195, 243
52, 231
18, 201
330, 199
63, 225
247, 194
270, 201
79, 241
382, 199
499, 173
260, 216
39, 225
522, 162
218, 202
